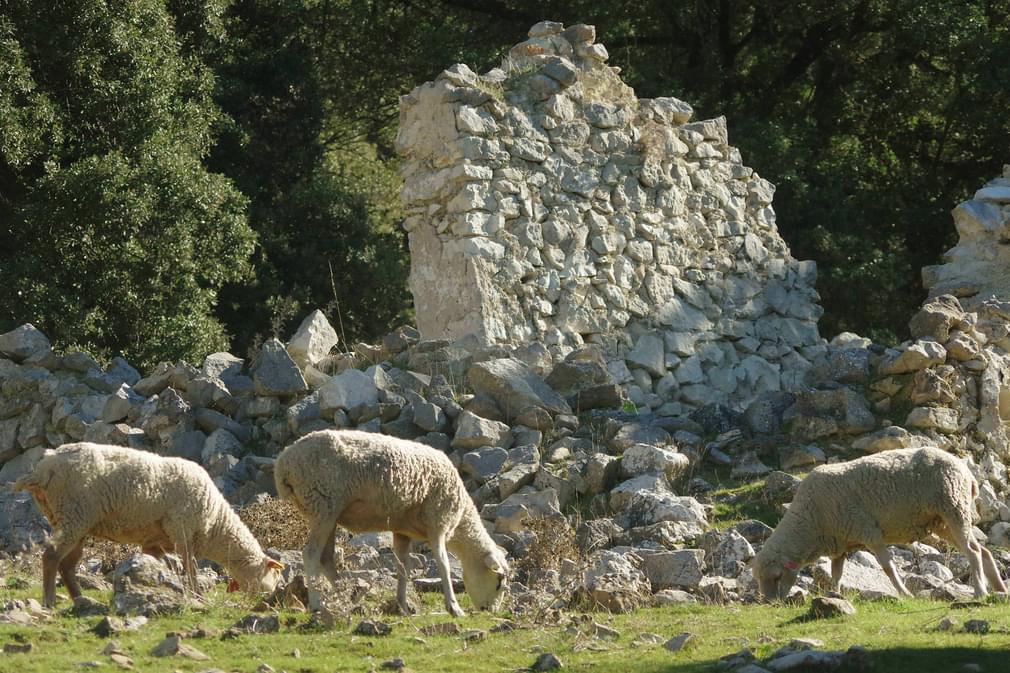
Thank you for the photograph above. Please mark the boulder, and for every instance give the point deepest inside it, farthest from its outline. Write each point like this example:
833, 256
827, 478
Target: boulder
24, 342
642, 458
22, 525
312, 340
614, 582
473, 432
275, 374
347, 390
515, 387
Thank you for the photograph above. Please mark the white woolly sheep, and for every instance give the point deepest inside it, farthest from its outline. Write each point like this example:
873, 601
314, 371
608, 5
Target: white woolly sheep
136, 497
893, 497
370, 482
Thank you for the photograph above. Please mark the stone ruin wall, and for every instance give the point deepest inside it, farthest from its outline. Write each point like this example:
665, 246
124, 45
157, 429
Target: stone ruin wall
546, 204
975, 270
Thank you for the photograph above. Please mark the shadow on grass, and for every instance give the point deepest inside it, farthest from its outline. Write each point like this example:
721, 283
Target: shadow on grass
886, 660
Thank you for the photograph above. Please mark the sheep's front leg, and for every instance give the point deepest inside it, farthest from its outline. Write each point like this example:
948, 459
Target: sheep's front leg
883, 555
837, 569
442, 561
68, 569
62, 544
320, 532
401, 548
328, 564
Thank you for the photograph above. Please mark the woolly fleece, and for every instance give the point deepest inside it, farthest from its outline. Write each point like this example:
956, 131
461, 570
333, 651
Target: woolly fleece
371, 482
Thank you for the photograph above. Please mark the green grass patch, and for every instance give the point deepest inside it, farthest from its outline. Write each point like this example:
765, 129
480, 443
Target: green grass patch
731, 505
900, 636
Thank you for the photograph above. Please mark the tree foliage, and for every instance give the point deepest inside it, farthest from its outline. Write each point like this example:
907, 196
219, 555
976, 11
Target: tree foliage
115, 236
175, 171
873, 117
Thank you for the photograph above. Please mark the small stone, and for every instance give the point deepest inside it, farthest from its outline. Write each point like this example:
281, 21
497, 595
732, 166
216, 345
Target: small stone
371, 628
22, 648
173, 646
547, 662
648, 639
441, 629
605, 632
121, 660
946, 624
474, 635
824, 607
979, 626
258, 624
679, 642
393, 664
85, 606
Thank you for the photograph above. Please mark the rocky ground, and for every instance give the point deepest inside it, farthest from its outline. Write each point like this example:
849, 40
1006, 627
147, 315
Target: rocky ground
601, 505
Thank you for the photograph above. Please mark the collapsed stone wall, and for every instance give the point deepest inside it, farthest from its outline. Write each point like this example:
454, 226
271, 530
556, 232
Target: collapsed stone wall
975, 270
546, 203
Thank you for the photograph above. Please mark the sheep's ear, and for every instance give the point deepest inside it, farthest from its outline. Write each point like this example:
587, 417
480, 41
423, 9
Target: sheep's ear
495, 564
276, 565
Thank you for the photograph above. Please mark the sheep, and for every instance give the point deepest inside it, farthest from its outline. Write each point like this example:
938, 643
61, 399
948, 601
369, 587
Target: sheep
894, 497
370, 482
137, 497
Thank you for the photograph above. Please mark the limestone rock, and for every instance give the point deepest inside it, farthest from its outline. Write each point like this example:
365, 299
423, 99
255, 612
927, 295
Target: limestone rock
515, 387
347, 390
919, 355
23, 343
275, 373
312, 340
861, 573
22, 525
473, 432
615, 583
641, 458
679, 569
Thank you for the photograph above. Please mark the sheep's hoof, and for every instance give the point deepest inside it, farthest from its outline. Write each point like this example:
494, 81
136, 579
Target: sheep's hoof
456, 611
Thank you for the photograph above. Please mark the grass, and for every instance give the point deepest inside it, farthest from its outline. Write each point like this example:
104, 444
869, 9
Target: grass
900, 636
736, 503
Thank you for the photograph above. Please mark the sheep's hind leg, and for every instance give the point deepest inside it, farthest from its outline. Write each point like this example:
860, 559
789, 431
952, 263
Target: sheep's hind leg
442, 561
321, 532
837, 568
401, 548
883, 555
956, 531
991, 571
68, 569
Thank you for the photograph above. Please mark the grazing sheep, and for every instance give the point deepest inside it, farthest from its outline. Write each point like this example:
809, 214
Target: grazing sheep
136, 497
370, 482
893, 497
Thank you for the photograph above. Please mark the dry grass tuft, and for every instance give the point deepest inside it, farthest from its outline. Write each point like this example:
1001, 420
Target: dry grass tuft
276, 523
554, 542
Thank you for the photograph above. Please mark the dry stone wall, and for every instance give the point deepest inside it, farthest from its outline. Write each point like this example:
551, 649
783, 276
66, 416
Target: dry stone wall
547, 204
975, 270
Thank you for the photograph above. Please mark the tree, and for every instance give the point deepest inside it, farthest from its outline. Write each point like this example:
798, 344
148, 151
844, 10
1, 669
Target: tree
116, 238
873, 117
324, 206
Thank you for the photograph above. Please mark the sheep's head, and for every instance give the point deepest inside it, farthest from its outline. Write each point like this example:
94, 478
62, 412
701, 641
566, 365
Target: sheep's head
486, 578
260, 577
774, 575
